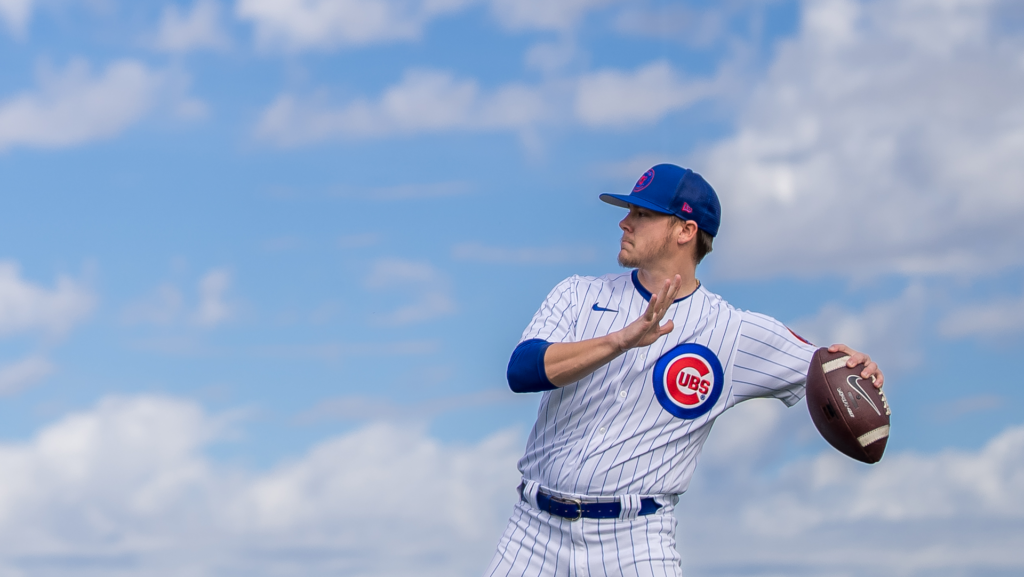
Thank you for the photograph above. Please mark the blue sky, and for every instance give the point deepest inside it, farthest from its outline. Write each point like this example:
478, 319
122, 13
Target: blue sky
264, 262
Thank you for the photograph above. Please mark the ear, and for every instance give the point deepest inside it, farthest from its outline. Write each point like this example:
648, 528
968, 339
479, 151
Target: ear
687, 231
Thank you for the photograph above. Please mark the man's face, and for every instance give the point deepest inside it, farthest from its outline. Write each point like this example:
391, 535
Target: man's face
647, 236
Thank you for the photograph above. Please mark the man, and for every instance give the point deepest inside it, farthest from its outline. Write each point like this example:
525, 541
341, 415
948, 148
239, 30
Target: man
628, 400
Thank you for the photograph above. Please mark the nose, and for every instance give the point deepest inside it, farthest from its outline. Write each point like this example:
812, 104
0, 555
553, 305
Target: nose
626, 224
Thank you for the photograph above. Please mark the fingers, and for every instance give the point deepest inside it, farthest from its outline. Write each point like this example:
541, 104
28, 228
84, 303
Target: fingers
655, 307
673, 289
870, 368
652, 309
667, 296
856, 357
647, 329
870, 371
666, 293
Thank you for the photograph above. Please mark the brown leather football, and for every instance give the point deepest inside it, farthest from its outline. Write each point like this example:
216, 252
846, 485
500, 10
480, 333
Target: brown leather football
849, 411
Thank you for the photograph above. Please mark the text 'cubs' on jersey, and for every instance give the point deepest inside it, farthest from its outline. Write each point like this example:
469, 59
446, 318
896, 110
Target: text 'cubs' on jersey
641, 423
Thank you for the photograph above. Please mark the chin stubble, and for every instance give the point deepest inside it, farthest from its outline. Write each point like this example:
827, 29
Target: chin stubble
642, 260
626, 262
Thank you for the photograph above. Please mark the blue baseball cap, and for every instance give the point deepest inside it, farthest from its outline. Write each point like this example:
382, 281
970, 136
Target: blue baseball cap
671, 189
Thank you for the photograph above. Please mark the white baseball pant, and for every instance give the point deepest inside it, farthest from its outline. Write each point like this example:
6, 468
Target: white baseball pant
537, 543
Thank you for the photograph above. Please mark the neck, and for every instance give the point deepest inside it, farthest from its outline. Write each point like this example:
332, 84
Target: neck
653, 278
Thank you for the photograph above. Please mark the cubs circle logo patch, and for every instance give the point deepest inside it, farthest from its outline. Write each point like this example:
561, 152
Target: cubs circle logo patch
688, 380
645, 179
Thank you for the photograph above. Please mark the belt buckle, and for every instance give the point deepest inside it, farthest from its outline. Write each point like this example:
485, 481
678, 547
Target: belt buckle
579, 508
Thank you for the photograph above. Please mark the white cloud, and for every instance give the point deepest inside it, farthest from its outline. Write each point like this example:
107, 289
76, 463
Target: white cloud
427, 101
993, 319
369, 408
675, 22
425, 290
987, 483
195, 30
884, 138
129, 479
73, 106
213, 309
630, 169
950, 513
162, 307
552, 57
622, 99
477, 252
559, 15
424, 101
323, 24
392, 271
166, 305
22, 374
17, 14
127, 459
739, 450
325, 499
296, 25
889, 331
27, 307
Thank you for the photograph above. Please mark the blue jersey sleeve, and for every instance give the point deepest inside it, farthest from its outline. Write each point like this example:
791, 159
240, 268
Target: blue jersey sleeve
526, 372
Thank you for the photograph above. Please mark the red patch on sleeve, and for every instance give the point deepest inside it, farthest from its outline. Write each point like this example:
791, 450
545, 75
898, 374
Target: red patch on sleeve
800, 338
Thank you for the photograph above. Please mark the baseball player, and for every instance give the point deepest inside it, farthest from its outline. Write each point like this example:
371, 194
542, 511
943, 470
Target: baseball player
634, 368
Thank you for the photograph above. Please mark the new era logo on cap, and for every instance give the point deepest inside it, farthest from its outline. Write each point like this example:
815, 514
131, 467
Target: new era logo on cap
671, 189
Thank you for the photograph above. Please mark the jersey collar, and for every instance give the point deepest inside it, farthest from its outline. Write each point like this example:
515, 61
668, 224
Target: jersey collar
647, 294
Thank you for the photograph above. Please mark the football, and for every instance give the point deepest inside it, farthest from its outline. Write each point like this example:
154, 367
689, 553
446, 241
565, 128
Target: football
849, 412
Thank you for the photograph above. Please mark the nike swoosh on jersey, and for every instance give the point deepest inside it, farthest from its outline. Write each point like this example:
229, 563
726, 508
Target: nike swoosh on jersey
603, 310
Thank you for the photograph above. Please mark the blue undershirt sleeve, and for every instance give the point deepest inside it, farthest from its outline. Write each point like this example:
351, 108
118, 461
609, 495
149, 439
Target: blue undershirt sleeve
526, 372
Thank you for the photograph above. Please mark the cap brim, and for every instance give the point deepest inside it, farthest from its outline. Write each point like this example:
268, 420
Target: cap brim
626, 201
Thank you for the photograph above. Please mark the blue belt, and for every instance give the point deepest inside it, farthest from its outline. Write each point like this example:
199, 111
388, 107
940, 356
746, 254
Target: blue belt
574, 509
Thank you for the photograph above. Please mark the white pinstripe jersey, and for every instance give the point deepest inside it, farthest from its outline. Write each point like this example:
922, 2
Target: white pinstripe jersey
608, 433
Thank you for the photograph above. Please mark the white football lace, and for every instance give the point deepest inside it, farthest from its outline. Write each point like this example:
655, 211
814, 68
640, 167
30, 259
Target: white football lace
874, 435
836, 364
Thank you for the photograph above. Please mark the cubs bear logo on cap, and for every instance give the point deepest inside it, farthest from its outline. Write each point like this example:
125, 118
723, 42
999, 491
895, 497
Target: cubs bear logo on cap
688, 380
645, 179
671, 189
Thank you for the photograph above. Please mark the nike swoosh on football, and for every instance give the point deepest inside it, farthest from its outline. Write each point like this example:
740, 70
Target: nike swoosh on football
603, 310
854, 383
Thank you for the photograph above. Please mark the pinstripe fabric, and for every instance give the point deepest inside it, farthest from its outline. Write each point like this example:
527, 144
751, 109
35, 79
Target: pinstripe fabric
537, 543
607, 435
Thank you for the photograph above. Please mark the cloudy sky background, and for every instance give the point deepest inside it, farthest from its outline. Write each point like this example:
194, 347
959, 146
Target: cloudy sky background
263, 263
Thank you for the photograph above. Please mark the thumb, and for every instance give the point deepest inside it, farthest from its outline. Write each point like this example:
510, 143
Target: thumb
666, 328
